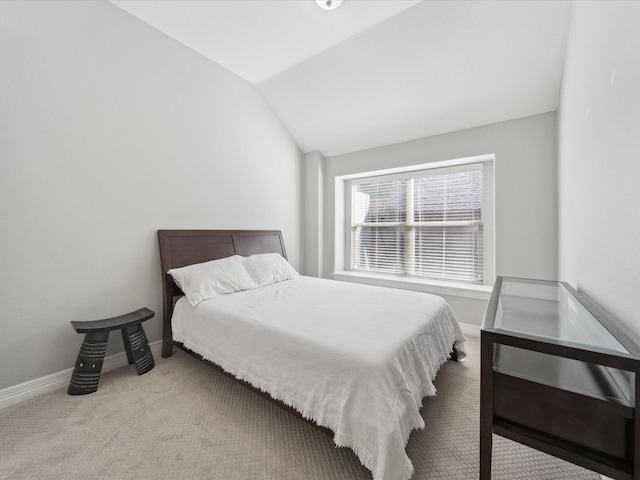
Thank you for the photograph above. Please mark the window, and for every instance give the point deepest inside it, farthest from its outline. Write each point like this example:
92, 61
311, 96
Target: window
426, 223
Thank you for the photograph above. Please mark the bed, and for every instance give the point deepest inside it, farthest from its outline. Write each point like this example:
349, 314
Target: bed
335, 353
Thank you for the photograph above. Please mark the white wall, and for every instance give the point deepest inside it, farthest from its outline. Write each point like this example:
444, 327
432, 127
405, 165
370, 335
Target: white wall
599, 157
110, 130
525, 192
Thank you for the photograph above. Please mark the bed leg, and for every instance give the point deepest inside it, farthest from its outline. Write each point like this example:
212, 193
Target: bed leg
454, 354
167, 349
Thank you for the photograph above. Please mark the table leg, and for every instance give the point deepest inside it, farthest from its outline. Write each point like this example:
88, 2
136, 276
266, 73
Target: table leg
486, 407
636, 430
86, 373
137, 348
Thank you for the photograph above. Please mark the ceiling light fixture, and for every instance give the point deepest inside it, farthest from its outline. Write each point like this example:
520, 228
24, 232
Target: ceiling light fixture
329, 4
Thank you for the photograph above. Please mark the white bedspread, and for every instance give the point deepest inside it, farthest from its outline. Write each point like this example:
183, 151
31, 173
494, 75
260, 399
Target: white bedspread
354, 358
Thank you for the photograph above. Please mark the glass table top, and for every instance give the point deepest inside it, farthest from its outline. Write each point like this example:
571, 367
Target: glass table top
549, 310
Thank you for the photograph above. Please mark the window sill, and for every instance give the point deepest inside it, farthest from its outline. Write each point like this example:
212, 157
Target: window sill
479, 292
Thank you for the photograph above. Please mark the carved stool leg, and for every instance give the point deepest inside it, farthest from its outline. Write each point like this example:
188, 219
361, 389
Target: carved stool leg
137, 348
86, 373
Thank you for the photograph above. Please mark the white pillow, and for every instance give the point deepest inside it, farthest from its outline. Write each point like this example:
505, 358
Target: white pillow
268, 268
202, 281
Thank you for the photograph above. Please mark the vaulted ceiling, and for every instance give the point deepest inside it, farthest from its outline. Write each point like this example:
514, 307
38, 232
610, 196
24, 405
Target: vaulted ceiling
377, 72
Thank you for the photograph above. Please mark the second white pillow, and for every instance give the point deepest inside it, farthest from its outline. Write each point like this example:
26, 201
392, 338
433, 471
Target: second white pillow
268, 268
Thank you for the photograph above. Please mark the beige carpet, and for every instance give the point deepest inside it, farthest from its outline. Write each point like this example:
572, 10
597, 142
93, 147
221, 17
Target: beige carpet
184, 420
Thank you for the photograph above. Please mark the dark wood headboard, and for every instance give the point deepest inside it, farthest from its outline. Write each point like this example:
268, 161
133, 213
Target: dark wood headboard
179, 248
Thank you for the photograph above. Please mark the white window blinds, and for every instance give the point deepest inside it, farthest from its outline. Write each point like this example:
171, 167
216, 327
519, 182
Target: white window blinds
426, 224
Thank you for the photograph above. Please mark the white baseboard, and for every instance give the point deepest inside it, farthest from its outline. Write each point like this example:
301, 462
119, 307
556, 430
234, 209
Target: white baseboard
18, 393
468, 329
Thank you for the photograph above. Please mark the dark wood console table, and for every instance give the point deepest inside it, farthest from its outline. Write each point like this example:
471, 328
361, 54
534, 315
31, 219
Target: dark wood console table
559, 375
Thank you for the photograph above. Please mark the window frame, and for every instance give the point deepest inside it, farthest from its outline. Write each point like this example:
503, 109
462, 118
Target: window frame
408, 262
343, 191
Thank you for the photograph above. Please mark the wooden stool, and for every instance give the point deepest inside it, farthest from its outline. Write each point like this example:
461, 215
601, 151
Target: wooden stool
86, 373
